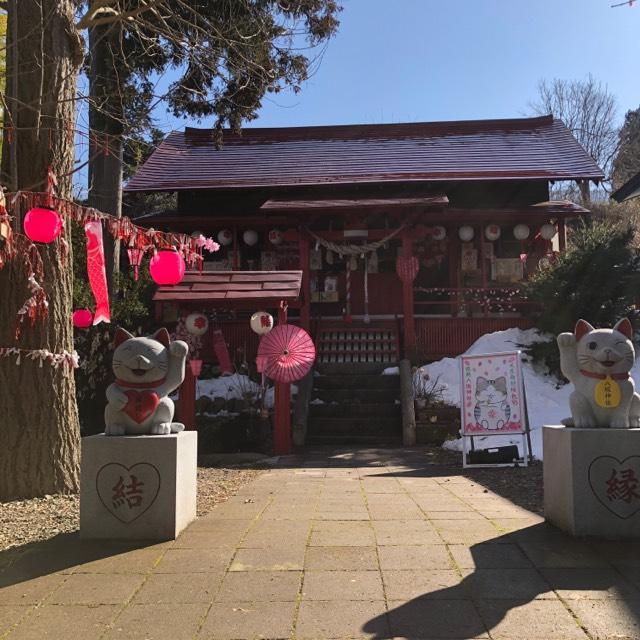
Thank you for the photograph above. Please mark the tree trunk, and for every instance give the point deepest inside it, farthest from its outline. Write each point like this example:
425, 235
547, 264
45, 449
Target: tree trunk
106, 124
40, 430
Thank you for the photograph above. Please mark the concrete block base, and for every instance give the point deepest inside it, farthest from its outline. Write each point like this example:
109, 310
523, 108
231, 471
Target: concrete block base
592, 481
138, 487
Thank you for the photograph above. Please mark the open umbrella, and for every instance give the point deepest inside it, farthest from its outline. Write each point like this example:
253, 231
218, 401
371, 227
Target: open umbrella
288, 353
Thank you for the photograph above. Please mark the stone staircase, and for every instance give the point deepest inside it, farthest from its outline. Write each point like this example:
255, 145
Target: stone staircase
352, 403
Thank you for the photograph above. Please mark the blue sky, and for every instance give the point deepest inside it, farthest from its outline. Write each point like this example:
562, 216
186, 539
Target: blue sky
421, 60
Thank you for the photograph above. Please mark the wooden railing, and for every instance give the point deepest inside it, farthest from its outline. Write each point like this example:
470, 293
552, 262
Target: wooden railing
468, 301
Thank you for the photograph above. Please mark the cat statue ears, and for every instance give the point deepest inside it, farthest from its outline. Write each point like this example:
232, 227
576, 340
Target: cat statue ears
622, 326
161, 335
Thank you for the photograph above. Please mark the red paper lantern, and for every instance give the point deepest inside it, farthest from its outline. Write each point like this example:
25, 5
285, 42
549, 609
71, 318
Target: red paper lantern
82, 318
167, 267
42, 225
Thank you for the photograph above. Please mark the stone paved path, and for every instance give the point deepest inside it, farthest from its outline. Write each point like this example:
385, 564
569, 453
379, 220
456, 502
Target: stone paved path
373, 544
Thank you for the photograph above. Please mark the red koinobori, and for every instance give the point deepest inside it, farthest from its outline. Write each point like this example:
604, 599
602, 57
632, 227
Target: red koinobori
96, 270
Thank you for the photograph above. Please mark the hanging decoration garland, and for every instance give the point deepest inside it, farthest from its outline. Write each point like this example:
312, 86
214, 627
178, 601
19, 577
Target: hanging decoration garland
67, 361
353, 249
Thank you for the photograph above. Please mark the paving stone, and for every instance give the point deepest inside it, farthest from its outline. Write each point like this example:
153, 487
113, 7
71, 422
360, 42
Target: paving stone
353, 619
233, 621
255, 586
440, 584
441, 503
390, 512
28, 591
405, 532
279, 558
509, 584
514, 524
96, 588
342, 515
270, 540
609, 618
342, 585
134, 561
158, 622
175, 588
341, 533
535, 620
489, 556
10, 615
425, 618
433, 556
53, 622
462, 531
590, 584
194, 560
207, 539
563, 555
211, 523
341, 559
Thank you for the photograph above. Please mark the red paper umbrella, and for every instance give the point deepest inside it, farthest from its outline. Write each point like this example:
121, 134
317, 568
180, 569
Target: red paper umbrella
288, 353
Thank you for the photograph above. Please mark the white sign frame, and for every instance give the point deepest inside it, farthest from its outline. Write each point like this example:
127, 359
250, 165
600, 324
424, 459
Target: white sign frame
512, 362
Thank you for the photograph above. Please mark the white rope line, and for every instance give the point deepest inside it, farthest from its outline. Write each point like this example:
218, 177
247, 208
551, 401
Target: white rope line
353, 249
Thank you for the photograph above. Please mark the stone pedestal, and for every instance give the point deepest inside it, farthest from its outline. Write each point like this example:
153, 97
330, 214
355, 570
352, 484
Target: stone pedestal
138, 487
592, 481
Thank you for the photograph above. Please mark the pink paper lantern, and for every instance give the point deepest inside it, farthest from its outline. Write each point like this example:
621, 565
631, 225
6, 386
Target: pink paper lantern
42, 225
167, 267
135, 260
82, 318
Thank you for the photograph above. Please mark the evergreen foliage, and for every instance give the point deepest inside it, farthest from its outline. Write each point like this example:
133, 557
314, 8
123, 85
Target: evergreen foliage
627, 162
597, 279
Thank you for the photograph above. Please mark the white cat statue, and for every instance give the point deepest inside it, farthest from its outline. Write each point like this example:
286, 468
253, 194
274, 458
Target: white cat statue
597, 362
147, 370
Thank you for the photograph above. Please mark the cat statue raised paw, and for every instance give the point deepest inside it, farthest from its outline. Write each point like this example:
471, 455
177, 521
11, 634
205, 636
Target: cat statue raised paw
147, 370
597, 362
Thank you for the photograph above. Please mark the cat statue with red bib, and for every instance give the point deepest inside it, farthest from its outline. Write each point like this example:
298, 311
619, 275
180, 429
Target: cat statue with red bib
598, 362
147, 370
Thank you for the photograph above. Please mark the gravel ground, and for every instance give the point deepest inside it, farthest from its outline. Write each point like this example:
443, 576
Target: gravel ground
24, 521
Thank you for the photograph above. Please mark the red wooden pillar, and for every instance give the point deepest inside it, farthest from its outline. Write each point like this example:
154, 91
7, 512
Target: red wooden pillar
407, 297
305, 310
282, 408
186, 407
562, 235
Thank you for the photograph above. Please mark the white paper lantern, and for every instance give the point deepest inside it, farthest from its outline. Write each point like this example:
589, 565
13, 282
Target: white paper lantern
466, 233
439, 233
225, 237
521, 232
196, 324
492, 232
261, 322
250, 237
547, 231
275, 236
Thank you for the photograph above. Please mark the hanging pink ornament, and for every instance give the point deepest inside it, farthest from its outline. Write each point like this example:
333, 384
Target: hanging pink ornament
167, 267
211, 245
96, 270
82, 318
135, 260
42, 225
196, 367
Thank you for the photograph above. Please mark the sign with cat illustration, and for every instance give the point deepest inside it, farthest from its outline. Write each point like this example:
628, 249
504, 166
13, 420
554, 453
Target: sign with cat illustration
492, 401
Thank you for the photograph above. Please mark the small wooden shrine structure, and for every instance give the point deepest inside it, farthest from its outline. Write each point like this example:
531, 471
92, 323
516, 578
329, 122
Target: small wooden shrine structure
404, 233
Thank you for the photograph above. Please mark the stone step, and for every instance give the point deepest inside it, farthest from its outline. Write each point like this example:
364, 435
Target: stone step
364, 425
356, 381
366, 396
358, 440
353, 368
353, 409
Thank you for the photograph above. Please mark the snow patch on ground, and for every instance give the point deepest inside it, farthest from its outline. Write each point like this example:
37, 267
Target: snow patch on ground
236, 386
